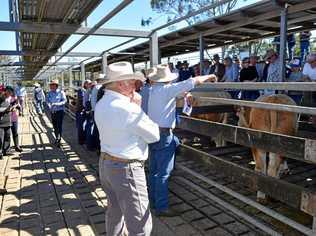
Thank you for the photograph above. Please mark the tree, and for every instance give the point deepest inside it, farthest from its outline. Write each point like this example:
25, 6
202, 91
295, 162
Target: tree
178, 8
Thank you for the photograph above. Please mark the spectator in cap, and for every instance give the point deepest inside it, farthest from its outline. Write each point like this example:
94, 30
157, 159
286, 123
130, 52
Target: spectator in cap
14, 106
95, 144
274, 69
206, 67
20, 92
125, 132
185, 71
82, 97
56, 100
231, 74
295, 75
39, 98
248, 73
217, 68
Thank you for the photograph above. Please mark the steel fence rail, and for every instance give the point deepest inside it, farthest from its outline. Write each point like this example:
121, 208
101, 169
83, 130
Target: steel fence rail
262, 105
290, 86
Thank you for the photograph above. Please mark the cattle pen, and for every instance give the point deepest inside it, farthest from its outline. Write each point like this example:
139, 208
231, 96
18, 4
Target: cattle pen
56, 190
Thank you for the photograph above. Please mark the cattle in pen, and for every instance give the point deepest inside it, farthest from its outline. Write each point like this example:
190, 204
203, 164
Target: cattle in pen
279, 122
220, 117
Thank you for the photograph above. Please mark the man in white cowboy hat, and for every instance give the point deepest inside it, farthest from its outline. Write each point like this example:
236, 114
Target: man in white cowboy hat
39, 98
56, 100
125, 132
162, 110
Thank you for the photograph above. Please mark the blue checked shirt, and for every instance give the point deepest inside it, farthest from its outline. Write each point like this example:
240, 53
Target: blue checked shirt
162, 101
56, 100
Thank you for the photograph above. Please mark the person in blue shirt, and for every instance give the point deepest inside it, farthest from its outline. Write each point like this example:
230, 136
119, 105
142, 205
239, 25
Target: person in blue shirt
162, 110
56, 100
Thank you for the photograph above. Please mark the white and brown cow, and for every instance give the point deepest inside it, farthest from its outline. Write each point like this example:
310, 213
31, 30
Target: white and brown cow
272, 121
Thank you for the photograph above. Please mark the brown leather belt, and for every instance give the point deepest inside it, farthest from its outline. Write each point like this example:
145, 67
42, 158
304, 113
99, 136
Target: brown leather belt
106, 156
162, 129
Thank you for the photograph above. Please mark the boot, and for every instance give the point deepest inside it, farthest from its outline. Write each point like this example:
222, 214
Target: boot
16, 144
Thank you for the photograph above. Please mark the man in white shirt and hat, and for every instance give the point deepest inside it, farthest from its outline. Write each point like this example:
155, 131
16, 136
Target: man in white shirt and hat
125, 132
162, 110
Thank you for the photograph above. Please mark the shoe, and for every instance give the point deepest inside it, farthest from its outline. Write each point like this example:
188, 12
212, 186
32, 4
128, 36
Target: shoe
3, 191
168, 213
18, 149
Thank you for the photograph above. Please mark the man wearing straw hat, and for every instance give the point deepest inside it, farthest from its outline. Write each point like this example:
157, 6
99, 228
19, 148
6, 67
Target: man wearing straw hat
56, 100
162, 110
125, 132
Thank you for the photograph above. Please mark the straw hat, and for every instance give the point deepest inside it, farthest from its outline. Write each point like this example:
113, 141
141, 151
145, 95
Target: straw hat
123, 70
54, 81
161, 74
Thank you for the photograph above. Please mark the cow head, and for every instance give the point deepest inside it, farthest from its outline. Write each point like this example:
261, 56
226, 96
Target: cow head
243, 115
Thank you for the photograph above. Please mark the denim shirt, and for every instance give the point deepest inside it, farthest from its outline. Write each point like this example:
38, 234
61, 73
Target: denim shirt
56, 100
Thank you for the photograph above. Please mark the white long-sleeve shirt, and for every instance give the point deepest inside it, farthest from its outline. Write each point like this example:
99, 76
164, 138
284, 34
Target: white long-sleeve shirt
162, 101
94, 95
125, 130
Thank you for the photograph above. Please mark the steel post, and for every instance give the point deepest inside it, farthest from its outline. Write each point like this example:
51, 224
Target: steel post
201, 48
104, 62
283, 40
83, 72
154, 50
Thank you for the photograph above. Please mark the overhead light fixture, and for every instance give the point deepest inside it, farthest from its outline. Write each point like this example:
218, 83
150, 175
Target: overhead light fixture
211, 45
187, 50
295, 27
228, 41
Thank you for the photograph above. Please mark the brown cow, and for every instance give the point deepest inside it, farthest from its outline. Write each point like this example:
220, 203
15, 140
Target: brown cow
215, 117
272, 121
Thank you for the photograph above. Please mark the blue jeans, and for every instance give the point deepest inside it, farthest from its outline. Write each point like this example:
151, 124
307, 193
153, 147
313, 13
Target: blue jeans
304, 46
39, 106
57, 120
161, 164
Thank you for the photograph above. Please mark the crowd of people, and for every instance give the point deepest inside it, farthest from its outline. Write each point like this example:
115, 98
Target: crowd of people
129, 117
251, 69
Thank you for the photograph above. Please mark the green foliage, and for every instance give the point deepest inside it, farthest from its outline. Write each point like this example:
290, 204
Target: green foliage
178, 8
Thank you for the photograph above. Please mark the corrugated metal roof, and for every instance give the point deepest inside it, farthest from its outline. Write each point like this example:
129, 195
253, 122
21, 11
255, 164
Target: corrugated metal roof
56, 11
252, 22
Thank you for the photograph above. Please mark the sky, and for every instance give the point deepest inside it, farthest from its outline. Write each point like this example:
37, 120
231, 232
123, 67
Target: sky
129, 18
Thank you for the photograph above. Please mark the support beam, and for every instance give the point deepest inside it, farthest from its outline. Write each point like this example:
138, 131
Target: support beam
63, 28
154, 50
83, 72
201, 48
34, 64
283, 40
70, 78
48, 54
104, 62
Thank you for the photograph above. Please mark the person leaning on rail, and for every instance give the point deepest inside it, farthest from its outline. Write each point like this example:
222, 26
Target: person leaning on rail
56, 100
162, 110
125, 131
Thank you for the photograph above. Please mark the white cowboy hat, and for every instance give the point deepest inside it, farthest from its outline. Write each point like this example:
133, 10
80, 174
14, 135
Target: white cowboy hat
161, 74
123, 70
54, 81
37, 85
